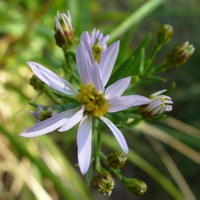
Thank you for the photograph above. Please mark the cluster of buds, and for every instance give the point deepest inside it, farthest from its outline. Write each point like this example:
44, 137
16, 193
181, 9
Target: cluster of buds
104, 183
178, 55
64, 33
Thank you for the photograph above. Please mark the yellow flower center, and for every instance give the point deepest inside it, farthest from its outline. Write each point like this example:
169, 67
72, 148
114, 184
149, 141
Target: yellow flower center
95, 103
97, 50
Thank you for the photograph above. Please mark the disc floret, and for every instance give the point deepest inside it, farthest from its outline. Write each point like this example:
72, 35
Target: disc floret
97, 50
95, 103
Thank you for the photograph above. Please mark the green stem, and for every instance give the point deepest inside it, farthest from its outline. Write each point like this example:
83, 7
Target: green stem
112, 170
162, 67
67, 66
135, 18
97, 147
51, 96
152, 56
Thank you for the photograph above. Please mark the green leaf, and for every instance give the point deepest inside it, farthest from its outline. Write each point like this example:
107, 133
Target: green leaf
135, 18
131, 66
151, 79
124, 70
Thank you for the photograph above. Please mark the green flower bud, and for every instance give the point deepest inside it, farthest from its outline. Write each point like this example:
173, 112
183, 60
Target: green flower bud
180, 54
164, 34
104, 183
36, 83
64, 33
136, 186
116, 160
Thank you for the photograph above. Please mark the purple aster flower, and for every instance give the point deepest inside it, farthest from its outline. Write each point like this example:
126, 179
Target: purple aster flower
95, 101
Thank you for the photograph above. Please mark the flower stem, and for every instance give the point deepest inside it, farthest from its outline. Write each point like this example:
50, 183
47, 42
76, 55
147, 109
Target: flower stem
112, 170
50, 96
152, 56
67, 66
162, 67
135, 18
97, 147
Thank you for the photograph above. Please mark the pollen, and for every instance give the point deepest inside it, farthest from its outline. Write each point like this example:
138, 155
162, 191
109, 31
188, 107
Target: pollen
95, 102
97, 50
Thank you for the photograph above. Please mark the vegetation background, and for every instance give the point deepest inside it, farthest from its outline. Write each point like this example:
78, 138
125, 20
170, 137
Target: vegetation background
43, 168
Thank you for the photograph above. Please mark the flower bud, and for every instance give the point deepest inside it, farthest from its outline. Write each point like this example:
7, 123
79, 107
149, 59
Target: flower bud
36, 83
180, 54
136, 186
64, 33
164, 34
104, 183
116, 160
159, 104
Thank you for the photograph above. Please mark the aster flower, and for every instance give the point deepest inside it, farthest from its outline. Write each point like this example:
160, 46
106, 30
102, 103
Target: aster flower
95, 44
160, 103
95, 101
64, 33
